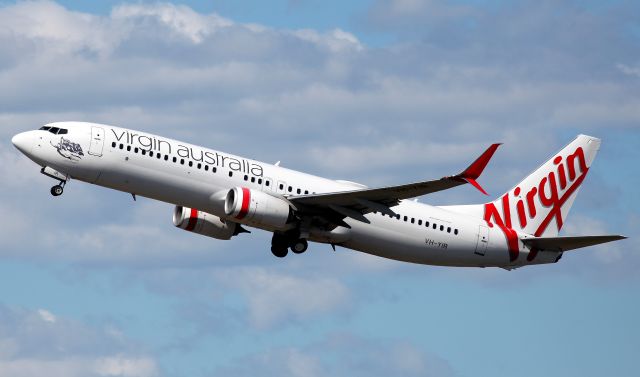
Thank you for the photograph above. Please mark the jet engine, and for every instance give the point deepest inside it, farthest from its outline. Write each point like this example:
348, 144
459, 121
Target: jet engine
258, 209
204, 223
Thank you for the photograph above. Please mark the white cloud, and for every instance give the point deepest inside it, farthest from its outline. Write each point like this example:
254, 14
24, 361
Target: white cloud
337, 40
46, 316
276, 298
77, 367
126, 367
340, 355
33, 343
179, 18
629, 70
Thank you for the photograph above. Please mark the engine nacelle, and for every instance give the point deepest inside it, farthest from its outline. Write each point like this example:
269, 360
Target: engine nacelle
258, 209
203, 223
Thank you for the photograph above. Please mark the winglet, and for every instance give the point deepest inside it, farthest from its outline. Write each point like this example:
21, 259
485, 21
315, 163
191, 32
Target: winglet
474, 170
475, 184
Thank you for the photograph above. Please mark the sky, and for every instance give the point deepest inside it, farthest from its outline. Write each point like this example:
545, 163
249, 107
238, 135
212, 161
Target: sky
380, 92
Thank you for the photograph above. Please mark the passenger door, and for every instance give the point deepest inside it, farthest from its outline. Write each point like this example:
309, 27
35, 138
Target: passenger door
97, 141
483, 240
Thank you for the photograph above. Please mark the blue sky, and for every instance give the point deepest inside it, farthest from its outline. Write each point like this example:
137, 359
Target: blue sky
379, 92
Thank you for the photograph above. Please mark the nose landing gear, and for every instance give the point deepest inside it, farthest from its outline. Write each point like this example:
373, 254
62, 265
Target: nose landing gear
57, 190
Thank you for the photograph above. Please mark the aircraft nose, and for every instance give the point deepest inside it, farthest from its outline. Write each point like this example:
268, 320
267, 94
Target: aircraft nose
22, 142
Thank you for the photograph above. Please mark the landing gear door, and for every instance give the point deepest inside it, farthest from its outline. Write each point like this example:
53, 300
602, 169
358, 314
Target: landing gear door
97, 141
483, 240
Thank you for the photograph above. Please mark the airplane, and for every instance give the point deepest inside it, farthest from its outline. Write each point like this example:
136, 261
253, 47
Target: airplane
218, 195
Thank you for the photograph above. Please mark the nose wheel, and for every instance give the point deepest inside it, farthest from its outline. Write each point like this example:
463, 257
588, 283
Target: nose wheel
57, 190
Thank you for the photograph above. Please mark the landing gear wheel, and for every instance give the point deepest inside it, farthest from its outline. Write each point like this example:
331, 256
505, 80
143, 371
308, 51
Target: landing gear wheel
299, 246
57, 190
279, 245
279, 251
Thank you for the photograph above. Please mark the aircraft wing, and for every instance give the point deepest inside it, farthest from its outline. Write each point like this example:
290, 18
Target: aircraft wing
357, 202
568, 243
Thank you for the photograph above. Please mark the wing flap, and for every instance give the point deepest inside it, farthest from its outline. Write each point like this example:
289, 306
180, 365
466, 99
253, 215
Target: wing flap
568, 243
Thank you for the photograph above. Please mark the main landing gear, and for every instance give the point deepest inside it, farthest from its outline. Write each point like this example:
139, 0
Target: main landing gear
281, 243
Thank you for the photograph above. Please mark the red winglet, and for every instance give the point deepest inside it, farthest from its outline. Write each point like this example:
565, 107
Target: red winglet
474, 170
475, 184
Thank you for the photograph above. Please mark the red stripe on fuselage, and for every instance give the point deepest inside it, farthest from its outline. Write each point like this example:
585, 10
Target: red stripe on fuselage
193, 220
246, 199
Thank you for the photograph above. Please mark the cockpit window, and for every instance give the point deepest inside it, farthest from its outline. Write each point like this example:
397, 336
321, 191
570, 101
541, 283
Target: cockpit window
55, 130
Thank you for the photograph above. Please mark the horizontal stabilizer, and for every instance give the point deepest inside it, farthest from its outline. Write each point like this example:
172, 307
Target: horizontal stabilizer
568, 243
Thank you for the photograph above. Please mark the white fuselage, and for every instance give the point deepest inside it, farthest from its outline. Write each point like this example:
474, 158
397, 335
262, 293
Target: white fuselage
187, 175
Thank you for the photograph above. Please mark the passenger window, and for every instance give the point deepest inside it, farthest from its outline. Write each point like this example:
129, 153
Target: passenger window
121, 146
128, 148
182, 161
298, 191
434, 226
190, 163
159, 156
150, 153
306, 192
413, 220
426, 223
253, 179
166, 157
455, 231
135, 150
206, 168
267, 183
259, 181
144, 152
398, 217
448, 229
246, 177
230, 174
175, 159
290, 189
419, 222
281, 186
199, 166
441, 228
406, 218
214, 169
113, 145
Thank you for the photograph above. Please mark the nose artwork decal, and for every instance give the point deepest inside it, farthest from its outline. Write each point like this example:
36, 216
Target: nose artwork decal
68, 149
